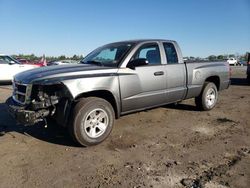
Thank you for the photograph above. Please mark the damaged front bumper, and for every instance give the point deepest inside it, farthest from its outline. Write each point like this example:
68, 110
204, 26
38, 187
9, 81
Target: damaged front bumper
24, 116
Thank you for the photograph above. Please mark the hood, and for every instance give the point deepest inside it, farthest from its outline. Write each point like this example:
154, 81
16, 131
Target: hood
58, 73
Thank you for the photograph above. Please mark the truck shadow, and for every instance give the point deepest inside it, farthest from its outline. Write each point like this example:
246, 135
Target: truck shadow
52, 134
5, 83
240, 81
180, 106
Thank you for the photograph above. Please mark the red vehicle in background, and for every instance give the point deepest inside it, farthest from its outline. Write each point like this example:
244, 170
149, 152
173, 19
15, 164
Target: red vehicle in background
23, 61
40, 63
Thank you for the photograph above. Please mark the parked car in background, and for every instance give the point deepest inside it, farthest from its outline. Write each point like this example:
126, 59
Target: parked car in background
62, 62
39, 63
23, 61
243, 63
10, 67
233, 61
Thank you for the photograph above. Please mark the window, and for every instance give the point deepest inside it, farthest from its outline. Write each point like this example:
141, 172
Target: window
106, 55
170, 53
150, 52
2, 61
6, 60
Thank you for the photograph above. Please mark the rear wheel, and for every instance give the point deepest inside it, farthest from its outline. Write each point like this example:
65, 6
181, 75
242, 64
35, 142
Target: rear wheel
92, 121
248, 79
208, 97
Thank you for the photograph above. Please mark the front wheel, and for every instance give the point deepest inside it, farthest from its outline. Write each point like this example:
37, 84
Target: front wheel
208, 97
92, 121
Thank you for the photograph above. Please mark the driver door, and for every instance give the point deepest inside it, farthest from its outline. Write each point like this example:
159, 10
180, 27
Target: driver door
144, 86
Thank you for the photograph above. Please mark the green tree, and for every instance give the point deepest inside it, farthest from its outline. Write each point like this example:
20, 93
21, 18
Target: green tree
62, 57
212, 58
74, 57
220, 57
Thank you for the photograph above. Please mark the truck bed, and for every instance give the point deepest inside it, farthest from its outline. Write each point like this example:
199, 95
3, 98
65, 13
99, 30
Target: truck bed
198, 72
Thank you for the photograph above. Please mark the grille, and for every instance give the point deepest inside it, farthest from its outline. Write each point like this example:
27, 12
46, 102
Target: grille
21, 88
21, 92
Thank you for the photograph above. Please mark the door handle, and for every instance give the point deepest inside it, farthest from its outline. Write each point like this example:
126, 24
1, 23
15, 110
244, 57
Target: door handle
159, 73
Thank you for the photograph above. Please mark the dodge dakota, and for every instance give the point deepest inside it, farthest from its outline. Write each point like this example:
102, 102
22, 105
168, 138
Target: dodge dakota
113, 80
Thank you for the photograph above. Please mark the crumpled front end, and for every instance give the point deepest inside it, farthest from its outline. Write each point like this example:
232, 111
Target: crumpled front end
23, 116
30, 104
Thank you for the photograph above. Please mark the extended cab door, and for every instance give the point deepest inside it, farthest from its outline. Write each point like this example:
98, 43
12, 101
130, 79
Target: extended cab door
143, 86
175, 73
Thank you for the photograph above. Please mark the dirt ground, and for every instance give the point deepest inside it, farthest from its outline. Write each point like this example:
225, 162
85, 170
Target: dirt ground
171, 146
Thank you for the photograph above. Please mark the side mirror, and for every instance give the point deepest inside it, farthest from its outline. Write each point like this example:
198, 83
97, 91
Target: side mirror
11, 62
137, 62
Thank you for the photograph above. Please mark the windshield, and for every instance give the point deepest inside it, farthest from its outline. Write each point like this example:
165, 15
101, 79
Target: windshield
8, 59
108, 55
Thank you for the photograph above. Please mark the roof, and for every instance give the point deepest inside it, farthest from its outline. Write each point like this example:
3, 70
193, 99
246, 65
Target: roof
144, 40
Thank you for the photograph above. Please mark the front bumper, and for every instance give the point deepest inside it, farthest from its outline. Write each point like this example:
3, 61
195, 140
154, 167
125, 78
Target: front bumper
24, 116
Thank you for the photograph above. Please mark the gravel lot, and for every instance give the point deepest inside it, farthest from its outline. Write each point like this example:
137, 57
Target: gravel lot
171, 146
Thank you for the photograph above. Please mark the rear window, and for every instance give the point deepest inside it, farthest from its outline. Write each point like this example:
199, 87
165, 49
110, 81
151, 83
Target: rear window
171, 53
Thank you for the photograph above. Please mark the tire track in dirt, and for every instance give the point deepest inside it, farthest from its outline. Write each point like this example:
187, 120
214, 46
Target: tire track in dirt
208, 175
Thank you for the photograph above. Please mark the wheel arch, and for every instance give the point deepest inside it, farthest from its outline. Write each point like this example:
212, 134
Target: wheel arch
104, 94
215, 80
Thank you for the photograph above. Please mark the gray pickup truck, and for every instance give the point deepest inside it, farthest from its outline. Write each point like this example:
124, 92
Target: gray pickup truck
113, 80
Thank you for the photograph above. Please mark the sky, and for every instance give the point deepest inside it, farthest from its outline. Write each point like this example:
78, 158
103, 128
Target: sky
68, 27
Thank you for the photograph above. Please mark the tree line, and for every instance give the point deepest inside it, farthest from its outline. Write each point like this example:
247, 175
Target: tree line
221, 57
33, 57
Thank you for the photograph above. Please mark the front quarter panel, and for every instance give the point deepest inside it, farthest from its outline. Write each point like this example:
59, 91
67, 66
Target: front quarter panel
84, 85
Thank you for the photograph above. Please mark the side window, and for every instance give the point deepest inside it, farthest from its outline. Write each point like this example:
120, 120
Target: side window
171, 53
3, 60
150, 52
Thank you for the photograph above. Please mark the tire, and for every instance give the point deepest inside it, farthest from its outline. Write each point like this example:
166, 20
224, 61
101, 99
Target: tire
92, 121
248, 79
208, 97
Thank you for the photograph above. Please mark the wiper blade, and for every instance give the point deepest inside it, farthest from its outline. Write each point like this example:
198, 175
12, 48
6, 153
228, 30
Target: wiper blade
94, 62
